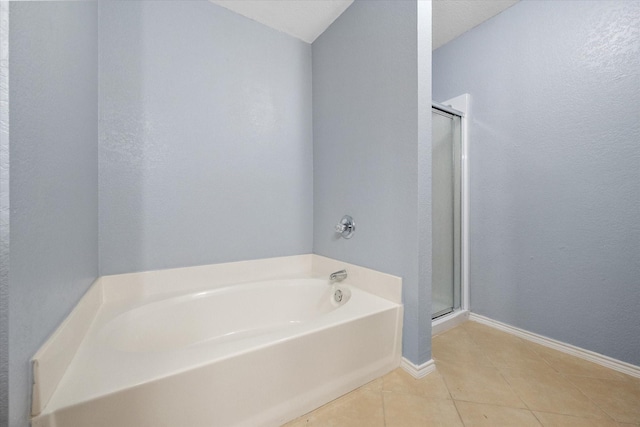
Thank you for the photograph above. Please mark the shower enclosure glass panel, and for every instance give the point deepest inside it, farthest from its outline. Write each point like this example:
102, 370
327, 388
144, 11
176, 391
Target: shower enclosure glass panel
446, 206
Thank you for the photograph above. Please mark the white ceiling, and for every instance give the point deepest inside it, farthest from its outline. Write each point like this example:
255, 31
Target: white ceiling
307, 19
452, 18
303, 19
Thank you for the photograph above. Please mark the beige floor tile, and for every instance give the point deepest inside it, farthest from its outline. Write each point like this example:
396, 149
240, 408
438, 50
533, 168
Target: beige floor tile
513, 352
633, 380
497, 380
571, 365
456, 345
375, 385
407, 410
504, 349
472, 326
430, 386
483, 415
483, 333
550, 393
478, 383
618, 398
526, 367
558, 420
361, 407
298, 422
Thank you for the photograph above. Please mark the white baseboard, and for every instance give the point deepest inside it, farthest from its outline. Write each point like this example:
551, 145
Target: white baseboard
418, 371
600, 359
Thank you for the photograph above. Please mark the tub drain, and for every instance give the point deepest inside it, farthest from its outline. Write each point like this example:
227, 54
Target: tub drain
338, 295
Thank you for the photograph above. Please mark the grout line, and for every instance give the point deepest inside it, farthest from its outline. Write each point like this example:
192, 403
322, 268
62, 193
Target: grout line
455, 405
579, 417
563, 376
567, 378
498, 406
588, 398
571, 350
445, 385
536, 417
420, 396
384, 410
494, 365
512, 389
449, 391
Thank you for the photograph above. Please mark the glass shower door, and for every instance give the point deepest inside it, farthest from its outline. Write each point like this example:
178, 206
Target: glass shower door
446, 212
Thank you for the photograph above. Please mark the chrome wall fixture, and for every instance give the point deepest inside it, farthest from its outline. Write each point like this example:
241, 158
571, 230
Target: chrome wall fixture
346, 227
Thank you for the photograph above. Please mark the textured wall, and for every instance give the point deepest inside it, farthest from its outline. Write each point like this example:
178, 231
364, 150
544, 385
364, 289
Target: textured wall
205, 138
555, 168
53, 84
4, 213
366, 156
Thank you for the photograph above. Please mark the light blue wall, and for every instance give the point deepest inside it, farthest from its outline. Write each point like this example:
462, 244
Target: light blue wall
53, 88
555, 168
205, 138
4, 214
371, 142
199, 150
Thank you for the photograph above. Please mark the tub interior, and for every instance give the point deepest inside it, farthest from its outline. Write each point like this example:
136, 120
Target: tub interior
205, 317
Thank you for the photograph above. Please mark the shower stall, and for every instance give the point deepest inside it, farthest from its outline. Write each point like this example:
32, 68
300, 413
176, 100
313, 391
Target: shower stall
449, 291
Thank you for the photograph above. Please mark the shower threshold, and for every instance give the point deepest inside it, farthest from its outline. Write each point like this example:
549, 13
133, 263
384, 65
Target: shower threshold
441, 313
449, 320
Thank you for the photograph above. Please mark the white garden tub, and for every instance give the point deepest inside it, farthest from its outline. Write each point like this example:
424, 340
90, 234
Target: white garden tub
252, 354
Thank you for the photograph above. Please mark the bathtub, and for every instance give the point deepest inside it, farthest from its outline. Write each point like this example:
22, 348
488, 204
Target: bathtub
255, 353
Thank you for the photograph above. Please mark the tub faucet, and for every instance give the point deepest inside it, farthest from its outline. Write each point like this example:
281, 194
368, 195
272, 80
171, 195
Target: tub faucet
338, 276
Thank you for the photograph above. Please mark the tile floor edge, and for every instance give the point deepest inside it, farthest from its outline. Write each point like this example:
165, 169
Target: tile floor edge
590, 356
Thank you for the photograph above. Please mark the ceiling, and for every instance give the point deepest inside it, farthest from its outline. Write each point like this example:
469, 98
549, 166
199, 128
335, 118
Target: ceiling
307, 19
452, 18
303, 19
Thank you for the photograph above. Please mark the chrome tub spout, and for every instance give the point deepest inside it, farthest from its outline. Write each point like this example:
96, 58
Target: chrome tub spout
338, 276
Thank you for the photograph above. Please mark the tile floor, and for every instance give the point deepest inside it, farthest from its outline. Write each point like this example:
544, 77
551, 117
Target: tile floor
486, 377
